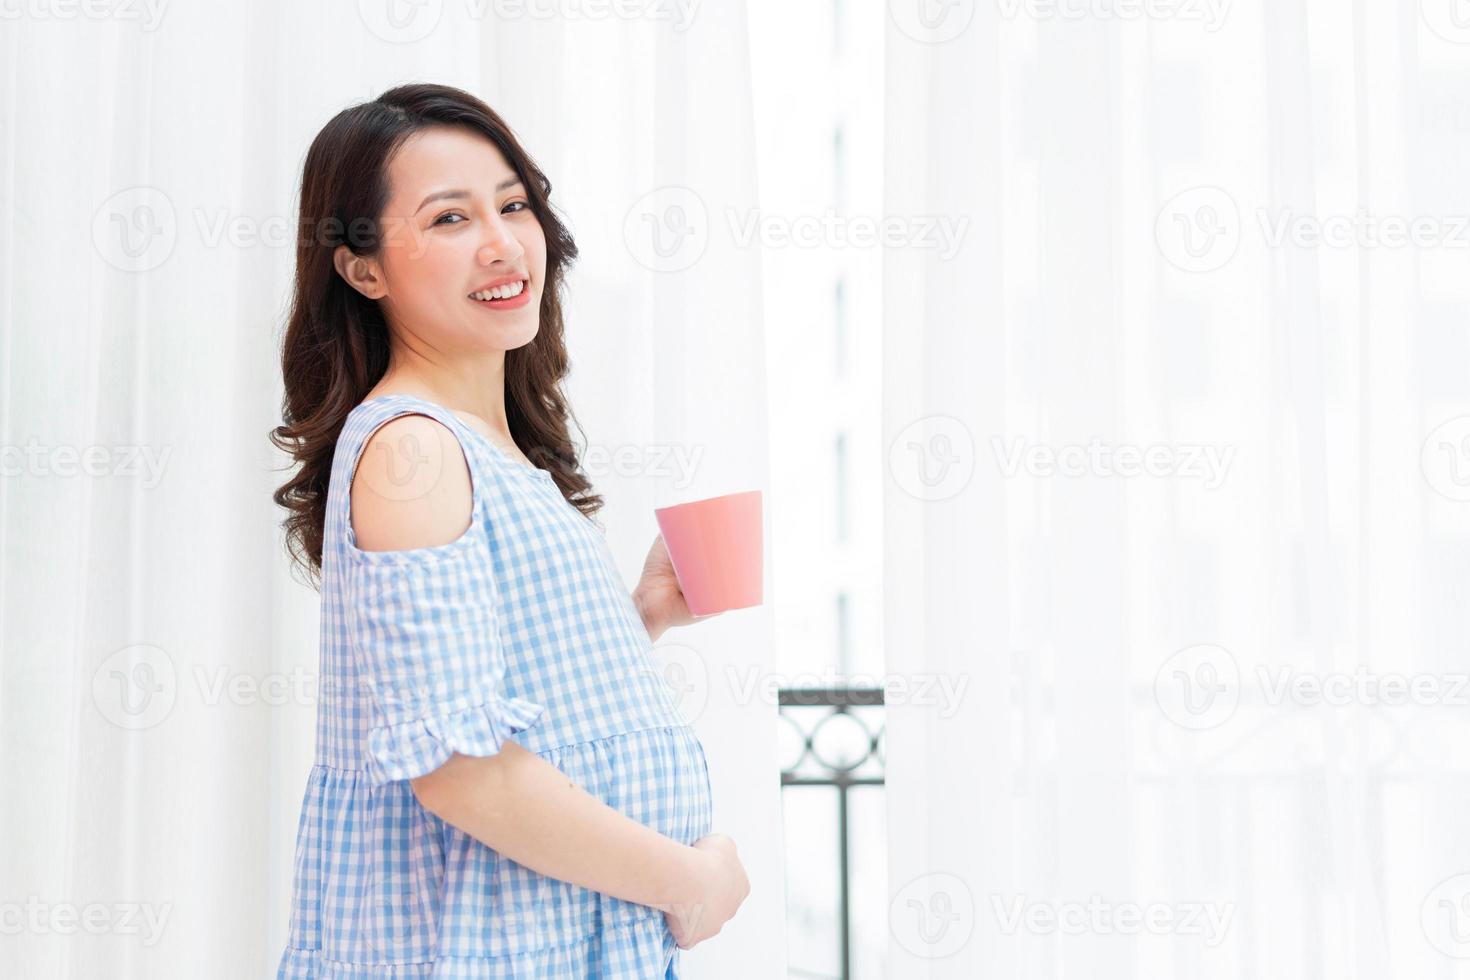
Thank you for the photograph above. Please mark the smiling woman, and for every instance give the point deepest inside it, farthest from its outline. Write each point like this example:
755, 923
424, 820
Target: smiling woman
410, 205
502, 785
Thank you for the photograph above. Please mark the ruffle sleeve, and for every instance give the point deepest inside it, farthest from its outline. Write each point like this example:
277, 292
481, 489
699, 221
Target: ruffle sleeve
425, 631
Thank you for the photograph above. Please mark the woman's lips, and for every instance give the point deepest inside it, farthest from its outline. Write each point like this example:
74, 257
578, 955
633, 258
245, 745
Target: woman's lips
513, 303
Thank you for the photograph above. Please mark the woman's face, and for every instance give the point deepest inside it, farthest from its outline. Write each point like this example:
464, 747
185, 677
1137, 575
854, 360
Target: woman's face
458, 221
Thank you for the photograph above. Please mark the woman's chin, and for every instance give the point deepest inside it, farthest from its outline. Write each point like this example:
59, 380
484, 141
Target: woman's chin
508, 335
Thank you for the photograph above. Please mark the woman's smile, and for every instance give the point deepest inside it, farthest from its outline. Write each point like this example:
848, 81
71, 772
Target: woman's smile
509, 293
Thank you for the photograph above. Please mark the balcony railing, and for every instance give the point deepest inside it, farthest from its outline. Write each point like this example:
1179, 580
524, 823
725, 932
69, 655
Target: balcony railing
835, 739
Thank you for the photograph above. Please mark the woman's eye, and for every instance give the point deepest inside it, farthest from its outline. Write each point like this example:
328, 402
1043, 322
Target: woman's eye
513, 206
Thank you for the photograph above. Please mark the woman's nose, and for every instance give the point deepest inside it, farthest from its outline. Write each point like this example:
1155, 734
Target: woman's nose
500, 243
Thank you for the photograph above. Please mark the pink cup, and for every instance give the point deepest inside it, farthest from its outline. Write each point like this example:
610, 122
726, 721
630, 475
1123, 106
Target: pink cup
715, 547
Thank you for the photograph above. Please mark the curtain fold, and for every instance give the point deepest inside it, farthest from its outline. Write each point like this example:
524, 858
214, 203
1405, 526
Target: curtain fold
1188, 510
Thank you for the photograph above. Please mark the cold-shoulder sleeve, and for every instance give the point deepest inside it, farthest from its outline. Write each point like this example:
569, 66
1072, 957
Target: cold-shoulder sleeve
425, 630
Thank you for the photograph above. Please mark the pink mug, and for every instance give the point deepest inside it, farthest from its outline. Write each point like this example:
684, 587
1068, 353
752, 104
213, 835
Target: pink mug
715, 547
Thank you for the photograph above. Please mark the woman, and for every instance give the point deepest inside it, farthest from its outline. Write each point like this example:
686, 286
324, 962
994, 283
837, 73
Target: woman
467, 597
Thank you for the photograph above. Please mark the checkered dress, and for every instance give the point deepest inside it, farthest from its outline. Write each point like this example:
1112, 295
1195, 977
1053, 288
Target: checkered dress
520, 628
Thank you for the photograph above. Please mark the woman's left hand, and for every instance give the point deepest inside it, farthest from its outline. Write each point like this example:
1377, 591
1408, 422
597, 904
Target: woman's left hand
658, 596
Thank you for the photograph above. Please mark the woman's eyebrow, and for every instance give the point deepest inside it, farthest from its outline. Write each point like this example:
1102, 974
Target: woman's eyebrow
458, 193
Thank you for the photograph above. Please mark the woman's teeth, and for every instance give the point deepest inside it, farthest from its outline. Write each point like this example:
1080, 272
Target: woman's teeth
500, 292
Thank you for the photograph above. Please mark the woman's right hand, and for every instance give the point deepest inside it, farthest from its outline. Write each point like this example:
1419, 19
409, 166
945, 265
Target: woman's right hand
719, 888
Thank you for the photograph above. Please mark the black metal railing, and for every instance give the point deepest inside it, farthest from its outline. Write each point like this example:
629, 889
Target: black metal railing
839, 762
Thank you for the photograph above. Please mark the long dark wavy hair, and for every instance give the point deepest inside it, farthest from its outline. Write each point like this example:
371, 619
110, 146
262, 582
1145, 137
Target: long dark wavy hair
335, 347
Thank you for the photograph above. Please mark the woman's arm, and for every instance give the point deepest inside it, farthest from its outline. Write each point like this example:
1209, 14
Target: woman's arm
525, 808
652, 621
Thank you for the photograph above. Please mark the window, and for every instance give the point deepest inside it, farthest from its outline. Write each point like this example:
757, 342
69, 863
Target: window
840, 485
819, 146
839, 328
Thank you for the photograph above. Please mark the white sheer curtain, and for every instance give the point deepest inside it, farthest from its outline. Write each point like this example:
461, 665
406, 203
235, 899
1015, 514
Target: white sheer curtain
156, 700
1178, 482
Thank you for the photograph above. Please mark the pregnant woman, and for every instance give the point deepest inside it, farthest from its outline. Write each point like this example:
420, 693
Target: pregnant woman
502, 786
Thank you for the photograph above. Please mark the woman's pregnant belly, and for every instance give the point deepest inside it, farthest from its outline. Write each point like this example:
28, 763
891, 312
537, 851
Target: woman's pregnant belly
658, 777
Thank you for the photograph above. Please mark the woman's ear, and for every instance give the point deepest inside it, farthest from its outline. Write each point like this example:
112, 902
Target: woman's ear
361, 273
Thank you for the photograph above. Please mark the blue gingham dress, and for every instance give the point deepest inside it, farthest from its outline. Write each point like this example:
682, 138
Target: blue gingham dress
520, 628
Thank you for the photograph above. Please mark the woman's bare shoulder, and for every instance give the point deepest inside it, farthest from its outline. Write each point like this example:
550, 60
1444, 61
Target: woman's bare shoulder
412, 487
